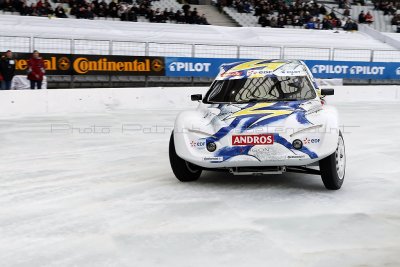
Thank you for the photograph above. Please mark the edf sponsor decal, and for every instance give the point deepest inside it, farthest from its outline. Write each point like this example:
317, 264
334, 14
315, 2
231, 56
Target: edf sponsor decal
308, 141
199, 144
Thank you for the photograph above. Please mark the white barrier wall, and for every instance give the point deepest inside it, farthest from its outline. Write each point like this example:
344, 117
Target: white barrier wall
33, 102
21, 82
26, 102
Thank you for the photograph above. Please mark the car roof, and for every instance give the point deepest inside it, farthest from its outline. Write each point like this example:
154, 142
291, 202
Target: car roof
262, 68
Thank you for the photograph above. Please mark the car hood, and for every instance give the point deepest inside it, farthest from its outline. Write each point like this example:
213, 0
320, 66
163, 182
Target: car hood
225, 118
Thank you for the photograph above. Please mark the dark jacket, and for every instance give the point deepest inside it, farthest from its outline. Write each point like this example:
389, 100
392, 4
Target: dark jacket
7, 68
36, 69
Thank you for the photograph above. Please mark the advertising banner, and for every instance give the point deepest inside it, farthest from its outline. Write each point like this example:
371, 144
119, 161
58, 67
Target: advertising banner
65, 64
354, 70
324, 69
55, 64
117, 65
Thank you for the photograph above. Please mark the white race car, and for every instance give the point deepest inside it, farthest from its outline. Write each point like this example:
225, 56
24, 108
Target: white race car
260, 117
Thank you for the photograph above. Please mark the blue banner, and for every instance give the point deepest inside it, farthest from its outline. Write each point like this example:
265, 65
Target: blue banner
324, 69
354, 70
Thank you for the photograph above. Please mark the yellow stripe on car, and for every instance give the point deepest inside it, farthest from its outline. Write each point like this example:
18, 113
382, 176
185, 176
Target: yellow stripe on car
257, 110
257, 64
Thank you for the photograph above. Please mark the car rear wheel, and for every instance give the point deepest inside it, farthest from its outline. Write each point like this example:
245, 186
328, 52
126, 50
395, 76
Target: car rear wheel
333, 167
183, 170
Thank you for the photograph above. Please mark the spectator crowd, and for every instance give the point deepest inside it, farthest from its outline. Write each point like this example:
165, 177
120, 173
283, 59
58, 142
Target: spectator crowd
388, 7
279, 13
40, 8
128, 11
90, 9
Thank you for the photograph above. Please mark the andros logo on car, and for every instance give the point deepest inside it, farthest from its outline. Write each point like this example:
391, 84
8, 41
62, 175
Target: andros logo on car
246, 140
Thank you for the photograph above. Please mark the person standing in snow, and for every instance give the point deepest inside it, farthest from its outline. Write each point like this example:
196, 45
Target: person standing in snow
36, 70
7, 70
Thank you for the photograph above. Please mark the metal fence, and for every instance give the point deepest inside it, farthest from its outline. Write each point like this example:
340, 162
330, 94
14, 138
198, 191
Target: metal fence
110, 47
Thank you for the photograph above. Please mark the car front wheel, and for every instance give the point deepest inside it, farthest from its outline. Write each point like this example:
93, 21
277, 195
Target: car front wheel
333, 167
183, 170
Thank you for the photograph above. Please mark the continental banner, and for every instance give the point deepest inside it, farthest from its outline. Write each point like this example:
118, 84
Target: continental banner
117, 65
65, 64
55, 64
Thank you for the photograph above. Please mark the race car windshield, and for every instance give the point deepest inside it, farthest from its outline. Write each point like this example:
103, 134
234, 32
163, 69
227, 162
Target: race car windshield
263, 89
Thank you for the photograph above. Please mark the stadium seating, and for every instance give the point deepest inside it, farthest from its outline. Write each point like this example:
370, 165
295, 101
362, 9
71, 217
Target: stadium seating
159, 4
381, 22
243, 19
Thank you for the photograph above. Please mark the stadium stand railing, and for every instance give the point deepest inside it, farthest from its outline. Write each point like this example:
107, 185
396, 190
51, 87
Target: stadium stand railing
109, 47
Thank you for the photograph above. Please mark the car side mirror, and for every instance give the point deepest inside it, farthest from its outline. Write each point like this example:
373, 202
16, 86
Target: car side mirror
327, 91
197, 97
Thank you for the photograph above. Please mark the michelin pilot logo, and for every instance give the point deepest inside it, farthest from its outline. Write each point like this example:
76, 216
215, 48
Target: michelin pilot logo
345, 69
189, 66
330, 69
367, 70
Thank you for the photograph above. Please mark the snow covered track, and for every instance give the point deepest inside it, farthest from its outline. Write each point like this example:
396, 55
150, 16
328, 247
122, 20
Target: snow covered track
94, 188
27, 102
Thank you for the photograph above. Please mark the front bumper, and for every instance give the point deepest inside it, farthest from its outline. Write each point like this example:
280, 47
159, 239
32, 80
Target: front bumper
192, 148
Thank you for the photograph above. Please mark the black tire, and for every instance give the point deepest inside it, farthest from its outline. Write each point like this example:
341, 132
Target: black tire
183, 170
332, 173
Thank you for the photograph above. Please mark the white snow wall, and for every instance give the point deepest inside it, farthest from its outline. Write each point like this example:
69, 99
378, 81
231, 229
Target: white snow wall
380, 36
33, 102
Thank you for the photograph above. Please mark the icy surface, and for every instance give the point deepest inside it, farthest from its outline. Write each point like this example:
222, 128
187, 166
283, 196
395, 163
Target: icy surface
72, 197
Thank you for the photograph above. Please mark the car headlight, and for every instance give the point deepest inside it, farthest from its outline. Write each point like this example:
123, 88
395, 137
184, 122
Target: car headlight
297, 144
211, 146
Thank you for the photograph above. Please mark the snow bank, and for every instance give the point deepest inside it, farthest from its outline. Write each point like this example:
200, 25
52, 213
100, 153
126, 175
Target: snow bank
160, 32
30, 102
16, 102
389, 39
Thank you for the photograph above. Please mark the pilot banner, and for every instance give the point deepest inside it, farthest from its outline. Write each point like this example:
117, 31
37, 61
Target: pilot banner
209, 67
65, 64
354, 70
